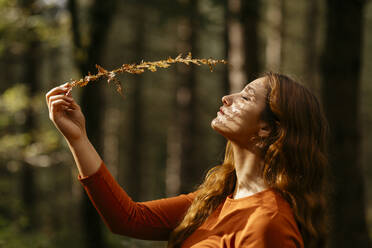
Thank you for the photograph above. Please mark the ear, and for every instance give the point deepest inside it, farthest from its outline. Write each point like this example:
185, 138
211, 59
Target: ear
264, 130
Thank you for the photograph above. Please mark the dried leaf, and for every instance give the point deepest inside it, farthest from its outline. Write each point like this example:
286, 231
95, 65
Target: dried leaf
189, 56
101, 69
152, 68
111, 77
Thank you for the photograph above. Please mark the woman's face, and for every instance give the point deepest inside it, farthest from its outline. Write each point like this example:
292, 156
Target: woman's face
239, 118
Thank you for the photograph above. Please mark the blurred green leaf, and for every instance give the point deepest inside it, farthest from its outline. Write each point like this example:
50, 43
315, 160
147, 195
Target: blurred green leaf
15, 99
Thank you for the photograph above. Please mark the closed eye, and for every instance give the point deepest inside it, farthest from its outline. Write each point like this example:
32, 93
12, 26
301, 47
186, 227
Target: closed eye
245, 98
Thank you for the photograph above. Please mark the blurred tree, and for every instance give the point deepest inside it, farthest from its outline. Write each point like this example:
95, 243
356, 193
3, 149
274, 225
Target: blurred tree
242, 49
311, 51
236, 47
89, 50
7, 61
276, 16
9, 56
183, 171
135, 185
250, 19
32, 65
341, 65
226, 82
186, 102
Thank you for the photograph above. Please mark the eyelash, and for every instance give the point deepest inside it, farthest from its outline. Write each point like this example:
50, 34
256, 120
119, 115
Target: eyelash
245, 98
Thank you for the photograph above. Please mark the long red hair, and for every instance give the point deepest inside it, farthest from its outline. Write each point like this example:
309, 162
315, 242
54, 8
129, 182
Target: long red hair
295, 164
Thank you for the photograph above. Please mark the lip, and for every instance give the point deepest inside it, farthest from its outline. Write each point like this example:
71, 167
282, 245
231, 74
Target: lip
221, 111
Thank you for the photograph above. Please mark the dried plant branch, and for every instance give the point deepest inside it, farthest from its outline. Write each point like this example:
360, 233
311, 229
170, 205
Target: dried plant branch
140, 68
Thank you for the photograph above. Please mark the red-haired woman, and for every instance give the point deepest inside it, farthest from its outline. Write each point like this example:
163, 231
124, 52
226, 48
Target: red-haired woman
269, 191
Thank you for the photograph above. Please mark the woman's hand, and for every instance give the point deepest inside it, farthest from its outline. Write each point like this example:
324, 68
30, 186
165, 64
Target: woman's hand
66, 114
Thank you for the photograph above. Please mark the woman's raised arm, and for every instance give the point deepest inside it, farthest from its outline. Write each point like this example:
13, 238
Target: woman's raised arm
67, 116
147, 220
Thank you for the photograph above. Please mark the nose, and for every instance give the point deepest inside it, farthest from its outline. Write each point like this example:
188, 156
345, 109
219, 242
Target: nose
226, 100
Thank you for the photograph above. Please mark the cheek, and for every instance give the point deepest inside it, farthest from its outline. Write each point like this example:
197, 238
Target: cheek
248, 125
239, 120
242, 115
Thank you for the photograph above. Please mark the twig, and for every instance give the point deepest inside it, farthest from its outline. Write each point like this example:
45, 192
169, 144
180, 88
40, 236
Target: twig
140, 68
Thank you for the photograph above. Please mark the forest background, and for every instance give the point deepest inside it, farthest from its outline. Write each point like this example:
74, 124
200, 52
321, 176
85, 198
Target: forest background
157, 141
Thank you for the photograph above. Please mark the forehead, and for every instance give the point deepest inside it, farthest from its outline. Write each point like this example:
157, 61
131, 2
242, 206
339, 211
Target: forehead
258, 86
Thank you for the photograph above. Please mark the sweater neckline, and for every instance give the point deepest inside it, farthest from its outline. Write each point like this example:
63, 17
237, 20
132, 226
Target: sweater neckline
257, 195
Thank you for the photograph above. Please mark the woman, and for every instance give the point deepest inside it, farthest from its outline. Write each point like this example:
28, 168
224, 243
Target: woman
269, 191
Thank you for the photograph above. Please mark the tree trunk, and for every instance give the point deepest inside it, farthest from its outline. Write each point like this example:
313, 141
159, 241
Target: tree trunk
226, 82
135, 187
236, 52
32, 80
250, 19
275, 41
92, 99
32, 66
173, 169
311, 54
185, 108
341, 64
8, 75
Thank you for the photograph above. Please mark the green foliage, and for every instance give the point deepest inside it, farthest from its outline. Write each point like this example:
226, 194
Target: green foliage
40, 147
14, 99
20, 25
16, 142
11, 235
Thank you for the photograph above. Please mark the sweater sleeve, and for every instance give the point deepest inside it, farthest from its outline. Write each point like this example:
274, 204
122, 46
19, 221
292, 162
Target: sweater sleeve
152, 220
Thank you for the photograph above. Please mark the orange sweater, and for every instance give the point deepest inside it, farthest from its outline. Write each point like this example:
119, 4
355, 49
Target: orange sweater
262, 220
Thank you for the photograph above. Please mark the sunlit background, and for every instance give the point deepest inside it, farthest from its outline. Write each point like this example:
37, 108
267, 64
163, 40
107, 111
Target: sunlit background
157, 140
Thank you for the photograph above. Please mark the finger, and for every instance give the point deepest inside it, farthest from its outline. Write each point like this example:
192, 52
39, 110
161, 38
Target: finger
56, 105
66, 85
57, 90
69, 92
57, 97
71, 109
74, 104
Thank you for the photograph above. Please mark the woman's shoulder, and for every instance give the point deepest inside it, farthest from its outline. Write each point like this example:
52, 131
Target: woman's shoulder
274, 216
275, 202
266, 218
277, 230
266, 207
275, 207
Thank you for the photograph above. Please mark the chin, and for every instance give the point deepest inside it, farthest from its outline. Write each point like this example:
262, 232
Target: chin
216, 126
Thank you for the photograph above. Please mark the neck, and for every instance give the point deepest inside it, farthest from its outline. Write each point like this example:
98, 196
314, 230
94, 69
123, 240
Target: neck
247, 166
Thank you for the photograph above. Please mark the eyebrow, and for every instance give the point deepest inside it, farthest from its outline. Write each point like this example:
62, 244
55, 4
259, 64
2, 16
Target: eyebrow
249, 88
